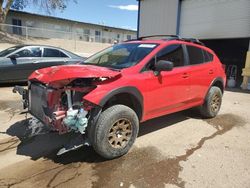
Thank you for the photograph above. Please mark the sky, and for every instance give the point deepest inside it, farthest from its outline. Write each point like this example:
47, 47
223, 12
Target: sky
116, 13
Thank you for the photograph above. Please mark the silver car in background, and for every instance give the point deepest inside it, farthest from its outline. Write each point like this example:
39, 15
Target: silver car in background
18, 62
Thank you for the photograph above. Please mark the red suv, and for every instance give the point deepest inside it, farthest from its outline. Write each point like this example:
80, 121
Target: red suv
105, 98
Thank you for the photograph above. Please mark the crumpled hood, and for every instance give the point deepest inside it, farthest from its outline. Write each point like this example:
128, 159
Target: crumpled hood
69, 72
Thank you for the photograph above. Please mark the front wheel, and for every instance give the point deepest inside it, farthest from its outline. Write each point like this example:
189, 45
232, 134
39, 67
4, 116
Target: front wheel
212, 103
115, 131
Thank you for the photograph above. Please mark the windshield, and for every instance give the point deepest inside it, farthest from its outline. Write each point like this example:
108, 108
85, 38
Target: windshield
121, 56
9, 51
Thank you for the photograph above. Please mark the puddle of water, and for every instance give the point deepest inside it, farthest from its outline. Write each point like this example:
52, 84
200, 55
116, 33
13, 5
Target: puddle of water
226, 122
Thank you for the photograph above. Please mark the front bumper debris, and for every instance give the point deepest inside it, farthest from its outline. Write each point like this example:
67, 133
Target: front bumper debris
24, 93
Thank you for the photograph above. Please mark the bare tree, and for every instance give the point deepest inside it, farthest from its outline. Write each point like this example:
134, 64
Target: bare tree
45, 5
4, 9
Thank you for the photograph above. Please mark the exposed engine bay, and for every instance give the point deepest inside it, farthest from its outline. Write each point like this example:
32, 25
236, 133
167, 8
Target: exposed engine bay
63, 109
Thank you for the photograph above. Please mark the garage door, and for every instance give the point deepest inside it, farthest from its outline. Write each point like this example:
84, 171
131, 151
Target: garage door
211, 19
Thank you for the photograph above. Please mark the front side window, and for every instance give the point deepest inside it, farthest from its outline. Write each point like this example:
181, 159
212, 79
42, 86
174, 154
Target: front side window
195, 55
121, 55
173, 53
48, 52
30, 52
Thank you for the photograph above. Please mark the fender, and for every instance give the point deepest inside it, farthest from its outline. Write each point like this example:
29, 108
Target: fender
128, 89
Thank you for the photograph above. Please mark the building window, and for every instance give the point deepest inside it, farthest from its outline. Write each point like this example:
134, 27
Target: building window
118, 36
17, 23
97, 36
86, 31
86, 34
129, 37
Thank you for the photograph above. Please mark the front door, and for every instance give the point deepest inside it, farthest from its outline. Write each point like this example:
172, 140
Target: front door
168, 91
23, 65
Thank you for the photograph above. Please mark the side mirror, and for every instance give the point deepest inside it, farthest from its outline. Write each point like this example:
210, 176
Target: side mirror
163, 66
14, 56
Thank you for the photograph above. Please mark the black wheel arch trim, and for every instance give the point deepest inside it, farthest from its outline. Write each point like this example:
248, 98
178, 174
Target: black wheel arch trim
212, 84
214, 81
127, 89
220, 80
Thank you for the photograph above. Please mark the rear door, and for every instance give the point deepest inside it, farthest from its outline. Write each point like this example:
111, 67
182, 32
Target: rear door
201, 71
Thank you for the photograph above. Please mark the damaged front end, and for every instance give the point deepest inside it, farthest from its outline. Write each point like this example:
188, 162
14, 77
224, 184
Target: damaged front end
55, 96
63, 109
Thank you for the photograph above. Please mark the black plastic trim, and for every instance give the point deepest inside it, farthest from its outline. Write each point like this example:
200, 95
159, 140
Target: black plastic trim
128, 89
220, 80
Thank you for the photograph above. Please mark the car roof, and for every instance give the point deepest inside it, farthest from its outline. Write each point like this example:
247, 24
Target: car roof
48, 46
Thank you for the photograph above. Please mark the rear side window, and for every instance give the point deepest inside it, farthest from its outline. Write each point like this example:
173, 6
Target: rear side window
195, 55
48, 52
173, 53
207, 56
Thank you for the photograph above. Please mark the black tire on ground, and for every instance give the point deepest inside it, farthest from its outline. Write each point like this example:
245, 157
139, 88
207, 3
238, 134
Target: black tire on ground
212, 103
115, 131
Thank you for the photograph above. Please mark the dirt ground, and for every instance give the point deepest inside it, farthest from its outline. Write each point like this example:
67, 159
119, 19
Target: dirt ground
178, 150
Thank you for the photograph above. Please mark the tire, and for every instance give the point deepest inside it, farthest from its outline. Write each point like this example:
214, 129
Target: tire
115, 131
212, 103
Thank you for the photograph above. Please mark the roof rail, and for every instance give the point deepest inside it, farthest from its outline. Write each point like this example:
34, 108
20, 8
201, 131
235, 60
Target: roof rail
151, 36
171, 37
194, 40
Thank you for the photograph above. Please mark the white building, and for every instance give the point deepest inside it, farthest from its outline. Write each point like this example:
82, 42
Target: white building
223, 25
35, 25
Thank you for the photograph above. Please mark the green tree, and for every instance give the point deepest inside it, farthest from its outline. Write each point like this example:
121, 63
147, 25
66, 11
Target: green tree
47, 6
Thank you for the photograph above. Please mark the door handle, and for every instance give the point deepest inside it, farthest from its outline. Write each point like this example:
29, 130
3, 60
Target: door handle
185, 75
210, 71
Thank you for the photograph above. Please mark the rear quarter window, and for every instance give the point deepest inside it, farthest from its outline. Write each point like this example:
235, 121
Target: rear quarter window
208, 57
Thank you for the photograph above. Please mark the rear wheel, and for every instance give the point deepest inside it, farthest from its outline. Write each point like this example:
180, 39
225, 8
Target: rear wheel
115, 131
212, 103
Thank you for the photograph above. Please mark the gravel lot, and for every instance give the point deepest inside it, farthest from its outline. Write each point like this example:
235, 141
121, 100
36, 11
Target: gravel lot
178, 150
